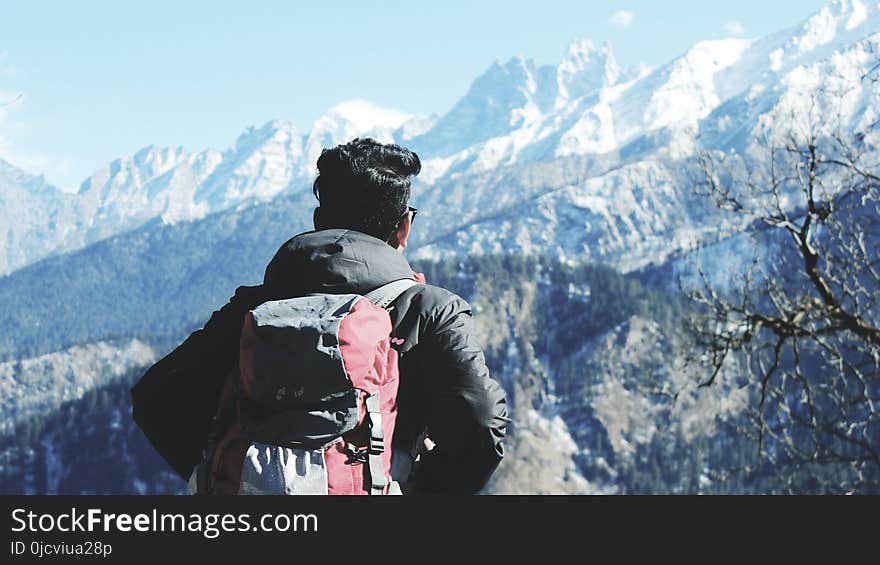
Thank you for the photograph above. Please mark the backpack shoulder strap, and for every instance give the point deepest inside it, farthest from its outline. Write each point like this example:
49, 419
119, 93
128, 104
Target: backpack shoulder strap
388, 293
381, 297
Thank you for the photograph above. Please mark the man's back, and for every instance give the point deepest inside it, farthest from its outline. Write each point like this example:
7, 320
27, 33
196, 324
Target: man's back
445, 388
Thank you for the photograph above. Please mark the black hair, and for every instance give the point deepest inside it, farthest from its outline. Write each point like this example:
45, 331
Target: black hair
364, 185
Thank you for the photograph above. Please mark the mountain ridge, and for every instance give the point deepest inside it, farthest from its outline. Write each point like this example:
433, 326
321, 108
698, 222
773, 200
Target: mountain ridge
515, 112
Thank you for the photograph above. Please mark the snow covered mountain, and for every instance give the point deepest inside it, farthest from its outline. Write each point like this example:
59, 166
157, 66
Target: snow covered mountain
516, 112
716, 95
36, 217
38, 385
172, 185
630, 201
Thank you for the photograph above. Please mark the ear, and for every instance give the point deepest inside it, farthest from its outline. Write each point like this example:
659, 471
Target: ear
316, 218
398, 238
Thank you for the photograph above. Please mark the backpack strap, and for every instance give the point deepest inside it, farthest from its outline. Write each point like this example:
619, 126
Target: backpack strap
388, 293
377, 445
382, 297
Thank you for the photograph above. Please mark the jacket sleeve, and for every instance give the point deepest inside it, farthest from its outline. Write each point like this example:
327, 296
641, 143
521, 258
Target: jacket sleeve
176, 399
467, 416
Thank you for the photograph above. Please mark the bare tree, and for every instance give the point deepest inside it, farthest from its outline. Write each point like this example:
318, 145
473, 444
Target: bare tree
801, 326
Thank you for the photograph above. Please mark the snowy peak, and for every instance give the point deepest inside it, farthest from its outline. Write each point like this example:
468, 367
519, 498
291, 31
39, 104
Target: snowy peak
835, 17
344, 122
34, 211
128, 191
13, 178
517, 91
262, 162
155, 161
253, 138
362, 116
585, 69
128, 174
507, 96
688, 90
838, 23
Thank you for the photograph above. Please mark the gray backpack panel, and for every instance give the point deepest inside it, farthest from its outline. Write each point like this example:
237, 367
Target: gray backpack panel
270, 469
298, 341
308, 428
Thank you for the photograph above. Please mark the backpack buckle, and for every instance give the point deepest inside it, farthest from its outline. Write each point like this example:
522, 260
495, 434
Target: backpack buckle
377, 444
355, 455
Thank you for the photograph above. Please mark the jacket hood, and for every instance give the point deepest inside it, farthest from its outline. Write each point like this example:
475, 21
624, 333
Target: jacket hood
335, 261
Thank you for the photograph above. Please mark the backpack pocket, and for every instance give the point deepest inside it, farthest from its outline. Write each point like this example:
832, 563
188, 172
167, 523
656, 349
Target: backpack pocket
271, 469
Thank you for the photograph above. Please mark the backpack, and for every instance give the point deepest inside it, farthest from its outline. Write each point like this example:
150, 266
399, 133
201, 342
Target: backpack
312, 405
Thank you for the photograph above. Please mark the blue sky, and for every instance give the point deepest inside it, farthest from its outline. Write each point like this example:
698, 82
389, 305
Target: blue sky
98, 80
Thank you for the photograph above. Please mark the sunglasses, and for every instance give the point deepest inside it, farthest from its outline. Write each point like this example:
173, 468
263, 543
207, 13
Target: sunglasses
412, 218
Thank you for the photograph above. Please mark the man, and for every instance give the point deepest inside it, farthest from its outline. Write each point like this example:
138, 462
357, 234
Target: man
446, 400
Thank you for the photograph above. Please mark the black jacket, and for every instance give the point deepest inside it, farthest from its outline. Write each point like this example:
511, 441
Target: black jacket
445, 387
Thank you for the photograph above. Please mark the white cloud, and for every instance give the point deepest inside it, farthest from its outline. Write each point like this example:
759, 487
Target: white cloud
734, 27
622, 18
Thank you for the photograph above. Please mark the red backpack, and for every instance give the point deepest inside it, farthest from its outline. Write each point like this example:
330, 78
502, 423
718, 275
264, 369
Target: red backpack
312, 405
